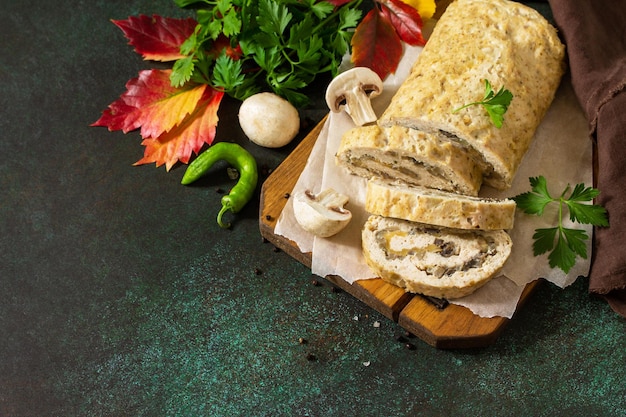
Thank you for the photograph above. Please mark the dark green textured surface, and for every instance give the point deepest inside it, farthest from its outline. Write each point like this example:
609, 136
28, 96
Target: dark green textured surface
120, 296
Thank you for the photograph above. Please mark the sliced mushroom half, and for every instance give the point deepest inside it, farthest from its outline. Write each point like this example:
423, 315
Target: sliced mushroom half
323, 214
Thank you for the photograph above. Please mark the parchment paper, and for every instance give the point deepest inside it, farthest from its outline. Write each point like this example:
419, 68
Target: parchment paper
561, 152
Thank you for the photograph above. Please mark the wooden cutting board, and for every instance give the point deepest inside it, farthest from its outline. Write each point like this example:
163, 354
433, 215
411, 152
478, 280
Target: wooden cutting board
446, 326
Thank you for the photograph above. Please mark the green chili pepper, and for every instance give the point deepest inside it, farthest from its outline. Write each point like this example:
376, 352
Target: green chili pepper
237, 157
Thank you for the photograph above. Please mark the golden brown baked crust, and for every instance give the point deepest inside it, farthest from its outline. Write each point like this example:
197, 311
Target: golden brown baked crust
409, 202
505, 42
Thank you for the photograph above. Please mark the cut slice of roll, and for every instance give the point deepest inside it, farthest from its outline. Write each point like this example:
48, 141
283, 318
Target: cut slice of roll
434, 261
391, 198
411, 156
507, 43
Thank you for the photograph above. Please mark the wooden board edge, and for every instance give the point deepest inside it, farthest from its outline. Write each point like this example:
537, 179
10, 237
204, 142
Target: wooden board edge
362, 290
437, 326
412, 312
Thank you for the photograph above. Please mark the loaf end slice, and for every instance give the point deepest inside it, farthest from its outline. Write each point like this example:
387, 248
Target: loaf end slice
438, 262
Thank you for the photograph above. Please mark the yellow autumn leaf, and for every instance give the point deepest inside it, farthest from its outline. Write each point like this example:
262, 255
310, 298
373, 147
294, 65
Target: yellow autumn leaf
426, 8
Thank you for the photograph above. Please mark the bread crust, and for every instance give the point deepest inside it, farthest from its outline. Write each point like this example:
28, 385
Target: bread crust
505, 42
419, 204
439, 262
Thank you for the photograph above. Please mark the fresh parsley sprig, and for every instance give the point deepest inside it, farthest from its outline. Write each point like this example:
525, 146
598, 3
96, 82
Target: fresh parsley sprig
495, 103
569, 242
278, 45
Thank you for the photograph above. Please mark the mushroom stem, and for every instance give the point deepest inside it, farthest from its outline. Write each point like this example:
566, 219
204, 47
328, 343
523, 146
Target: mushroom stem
359, 106
333, 200
352, 92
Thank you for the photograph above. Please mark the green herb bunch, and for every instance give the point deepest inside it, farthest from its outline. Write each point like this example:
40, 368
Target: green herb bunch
563, 243
281, 45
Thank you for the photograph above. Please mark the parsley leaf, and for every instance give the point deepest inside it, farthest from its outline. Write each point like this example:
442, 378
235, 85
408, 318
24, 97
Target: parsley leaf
182, 71
569, 242
246, 46
227, 73
535, 202
495, 103
273, 17
582, 213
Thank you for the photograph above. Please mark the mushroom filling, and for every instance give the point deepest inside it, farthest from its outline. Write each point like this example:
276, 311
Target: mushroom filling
435, 253
485, 167
410, 169
405, 164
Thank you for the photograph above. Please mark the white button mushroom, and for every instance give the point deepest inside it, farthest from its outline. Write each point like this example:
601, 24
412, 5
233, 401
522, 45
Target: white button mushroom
352, 91
324, 214
269, 120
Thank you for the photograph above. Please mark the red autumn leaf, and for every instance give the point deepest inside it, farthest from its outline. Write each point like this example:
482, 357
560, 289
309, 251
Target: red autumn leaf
115, 117
151, 104
222, 45
174, 122
406, 20
157, 38
197, 129
375, 44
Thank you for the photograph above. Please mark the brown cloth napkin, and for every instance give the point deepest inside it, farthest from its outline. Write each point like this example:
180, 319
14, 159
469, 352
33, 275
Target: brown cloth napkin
595, 35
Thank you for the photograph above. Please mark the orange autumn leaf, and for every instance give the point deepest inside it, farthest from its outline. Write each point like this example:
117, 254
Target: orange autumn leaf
151, 104
173, 122
196, 130
157, 38
160, 106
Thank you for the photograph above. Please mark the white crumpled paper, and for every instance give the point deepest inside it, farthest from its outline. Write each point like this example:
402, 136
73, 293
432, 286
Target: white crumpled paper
561, 152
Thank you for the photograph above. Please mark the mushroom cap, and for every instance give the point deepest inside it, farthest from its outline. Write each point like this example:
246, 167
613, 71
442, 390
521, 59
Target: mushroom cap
361, 77
269, 120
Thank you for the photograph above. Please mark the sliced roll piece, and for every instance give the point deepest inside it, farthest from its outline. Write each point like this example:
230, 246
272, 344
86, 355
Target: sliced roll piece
434, 261
504, 42
411, 156
391, 198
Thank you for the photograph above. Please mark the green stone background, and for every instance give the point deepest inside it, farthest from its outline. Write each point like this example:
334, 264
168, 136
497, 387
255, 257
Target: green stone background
120, 296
